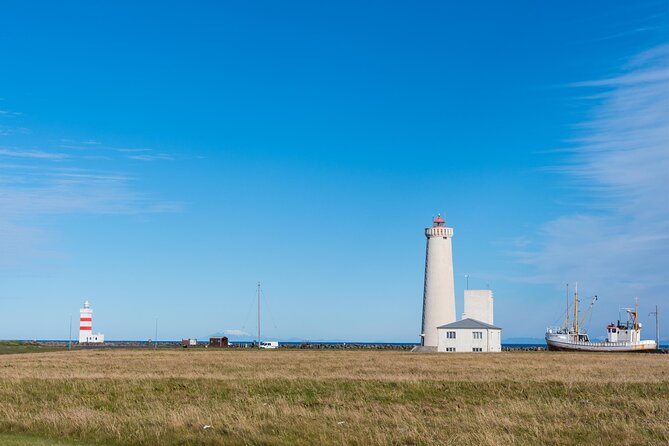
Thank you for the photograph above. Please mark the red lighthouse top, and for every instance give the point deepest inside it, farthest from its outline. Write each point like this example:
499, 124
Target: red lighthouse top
438, 221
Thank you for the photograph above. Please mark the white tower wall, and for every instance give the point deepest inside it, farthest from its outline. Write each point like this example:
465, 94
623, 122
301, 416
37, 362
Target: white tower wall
479, 306
439, 292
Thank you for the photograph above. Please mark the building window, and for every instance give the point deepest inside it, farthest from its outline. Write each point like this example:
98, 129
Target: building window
450, 335
478, 335
450, 349
477, 349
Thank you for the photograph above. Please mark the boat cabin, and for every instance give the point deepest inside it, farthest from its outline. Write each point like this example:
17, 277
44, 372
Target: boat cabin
623, 333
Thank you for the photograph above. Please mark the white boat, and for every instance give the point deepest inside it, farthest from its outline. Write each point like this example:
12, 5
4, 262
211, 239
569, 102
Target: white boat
621, 337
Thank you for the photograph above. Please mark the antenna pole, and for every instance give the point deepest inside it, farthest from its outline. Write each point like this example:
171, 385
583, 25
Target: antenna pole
258, 315
657, 326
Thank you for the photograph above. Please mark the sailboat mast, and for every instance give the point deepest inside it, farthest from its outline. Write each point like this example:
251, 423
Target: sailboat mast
258, 314
576, 310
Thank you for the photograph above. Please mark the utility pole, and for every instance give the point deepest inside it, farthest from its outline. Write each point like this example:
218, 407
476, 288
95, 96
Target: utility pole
657, 325
155, 339
258, 315
69, 342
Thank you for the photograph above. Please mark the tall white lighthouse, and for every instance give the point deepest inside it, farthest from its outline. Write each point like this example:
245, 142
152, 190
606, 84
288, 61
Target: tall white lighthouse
439, 292
86, 335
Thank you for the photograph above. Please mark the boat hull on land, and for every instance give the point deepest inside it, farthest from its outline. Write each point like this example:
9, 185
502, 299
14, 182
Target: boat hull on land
559, 343
622, 336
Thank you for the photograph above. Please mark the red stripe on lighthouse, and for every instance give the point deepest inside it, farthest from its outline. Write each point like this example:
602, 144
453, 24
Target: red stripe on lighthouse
85, 319
85, 328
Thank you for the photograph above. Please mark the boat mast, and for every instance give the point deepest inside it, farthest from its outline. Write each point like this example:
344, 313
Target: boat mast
576, 310
566, 312
258, 314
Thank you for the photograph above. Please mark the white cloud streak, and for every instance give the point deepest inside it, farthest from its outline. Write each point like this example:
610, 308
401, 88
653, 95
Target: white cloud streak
156, 157
36, 184
18, 153
620, 244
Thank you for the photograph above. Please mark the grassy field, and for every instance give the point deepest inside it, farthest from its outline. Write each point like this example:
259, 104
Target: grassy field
166, 397
7, 347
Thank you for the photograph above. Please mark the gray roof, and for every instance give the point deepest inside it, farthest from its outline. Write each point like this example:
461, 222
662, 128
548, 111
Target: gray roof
469, 323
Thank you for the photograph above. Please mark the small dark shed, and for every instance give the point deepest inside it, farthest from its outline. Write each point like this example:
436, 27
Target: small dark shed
219, 342
185, 343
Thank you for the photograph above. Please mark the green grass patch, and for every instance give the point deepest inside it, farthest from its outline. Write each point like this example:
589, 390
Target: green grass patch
25, 440
12, 347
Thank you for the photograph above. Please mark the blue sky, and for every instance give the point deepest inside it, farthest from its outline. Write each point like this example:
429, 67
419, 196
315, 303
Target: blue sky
159, 159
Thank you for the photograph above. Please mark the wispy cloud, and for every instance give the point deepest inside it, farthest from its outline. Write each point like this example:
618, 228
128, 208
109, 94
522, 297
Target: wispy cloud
30, 194
152, 157
18, 153
620, 244
8, 113
78, 177
146, 155
51, 190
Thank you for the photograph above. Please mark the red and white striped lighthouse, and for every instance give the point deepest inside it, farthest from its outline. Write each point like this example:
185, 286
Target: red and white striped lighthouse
86, 326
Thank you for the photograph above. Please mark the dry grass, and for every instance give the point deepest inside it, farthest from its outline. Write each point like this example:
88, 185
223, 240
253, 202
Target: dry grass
336, 397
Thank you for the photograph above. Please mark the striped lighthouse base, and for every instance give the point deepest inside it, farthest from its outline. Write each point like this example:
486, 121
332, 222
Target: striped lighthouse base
92, 339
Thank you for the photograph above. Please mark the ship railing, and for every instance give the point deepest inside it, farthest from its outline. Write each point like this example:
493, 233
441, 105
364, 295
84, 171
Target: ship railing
610, 344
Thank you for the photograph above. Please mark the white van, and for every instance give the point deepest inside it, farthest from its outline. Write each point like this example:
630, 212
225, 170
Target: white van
269, 344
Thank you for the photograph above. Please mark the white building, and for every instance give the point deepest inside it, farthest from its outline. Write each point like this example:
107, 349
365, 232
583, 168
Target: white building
439, 292
469, 335
479, 306
86, 335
